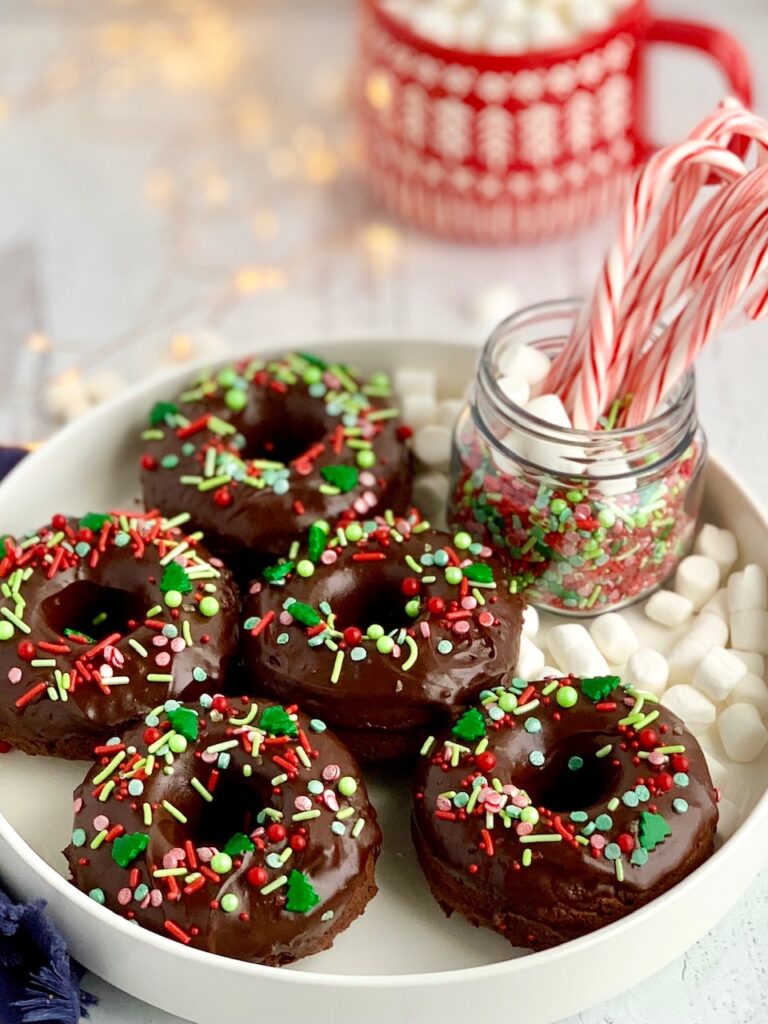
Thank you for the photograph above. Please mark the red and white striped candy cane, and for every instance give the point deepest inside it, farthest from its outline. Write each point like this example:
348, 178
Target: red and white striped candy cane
681, 343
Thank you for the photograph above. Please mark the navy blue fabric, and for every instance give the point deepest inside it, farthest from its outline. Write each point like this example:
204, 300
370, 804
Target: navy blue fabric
39, 984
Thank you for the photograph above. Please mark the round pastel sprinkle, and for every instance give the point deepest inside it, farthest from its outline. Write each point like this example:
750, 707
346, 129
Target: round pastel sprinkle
529, 814
78, 837
603, 822
679, 806
283, 639
642, 793
567, 696
680, 779
6, 630
375, 632
221, 863
444, 647
532, 725
630, 798
358, 654
135, 787
97, 895
347, 785
305, 568
385, 645
209, 607
508, 702
536, 758
177, 744
453, 575
612, 851
229, 903
316, 725
462, 541
251, 622
575, 763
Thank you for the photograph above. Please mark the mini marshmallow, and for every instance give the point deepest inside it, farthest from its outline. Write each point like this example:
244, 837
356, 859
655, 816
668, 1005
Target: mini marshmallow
717, 605
448, 412
668, 608
418, 410
749, 631
557, 456
515, 389
718, 771
751, 689
406, 381
530, 621
614, 637
719, 545
690, 704
530, 660
710, 629
755, 662
430, 494
742, 732
685, 658
728, 818
748, 590
698, 579
575, 651
524, 361
648, 670
717, 674
549, 408
432, 445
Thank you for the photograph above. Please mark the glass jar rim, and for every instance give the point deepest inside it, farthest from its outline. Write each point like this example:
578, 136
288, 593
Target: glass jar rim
680, 397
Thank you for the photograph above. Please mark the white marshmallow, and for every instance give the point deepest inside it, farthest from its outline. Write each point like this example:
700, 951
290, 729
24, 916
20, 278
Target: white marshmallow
742, 732
448, 412
648, 670
755, 662
432, 445
549, 408
430, 494
710, 629
685, 658
668, 608
690, 704
728, 818
622, 480
748, 590
718, 771
552, 455
526, 362
575, 651
406, 381
418, 410
530, 660
717, 605
749, 630
614, 637
717, 674
697, 578
751, 689
515, 389
719, 545
530, 621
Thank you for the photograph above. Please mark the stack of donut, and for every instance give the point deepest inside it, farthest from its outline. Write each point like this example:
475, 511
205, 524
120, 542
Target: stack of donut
220, 810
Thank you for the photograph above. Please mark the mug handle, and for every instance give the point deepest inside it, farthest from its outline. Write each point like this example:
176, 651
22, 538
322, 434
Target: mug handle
721, 46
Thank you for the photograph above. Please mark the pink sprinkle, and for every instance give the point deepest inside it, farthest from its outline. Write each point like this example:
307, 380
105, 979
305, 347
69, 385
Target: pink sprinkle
468, 603
328, 557
524, 828
285, 618
145, 902
330, 800
597, 841
77, 805
105, 671
216, 563
160, 641
255, 588
209, 758
656, 759
302, 803
367, 479
331, 772
520, 800
155, 898
169, 860
486, 552
443, 803
485, 618
100, 822
124, 897
14, 676
424, 628
178, 645
204, 854
163, 659
461, 627
510, 790
370, 499
360, 507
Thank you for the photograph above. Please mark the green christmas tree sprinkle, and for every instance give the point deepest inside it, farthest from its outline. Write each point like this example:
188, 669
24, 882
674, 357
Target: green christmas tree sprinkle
318, 539
653, 830
276, 721
94, 521
160, 413
127, 848
175, 578
239, 843
273, 573
184, 722
470, 727
343, 477
304, 613
597, 688
478, 572
301, 896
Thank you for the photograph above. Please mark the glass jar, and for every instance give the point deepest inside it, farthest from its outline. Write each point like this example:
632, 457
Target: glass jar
592, 520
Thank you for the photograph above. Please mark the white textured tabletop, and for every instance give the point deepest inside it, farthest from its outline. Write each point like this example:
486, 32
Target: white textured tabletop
181, 178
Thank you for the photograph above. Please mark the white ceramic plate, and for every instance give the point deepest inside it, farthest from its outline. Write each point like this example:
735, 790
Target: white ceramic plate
403, 960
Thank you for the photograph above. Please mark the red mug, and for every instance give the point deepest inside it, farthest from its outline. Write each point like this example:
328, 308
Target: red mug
492, 148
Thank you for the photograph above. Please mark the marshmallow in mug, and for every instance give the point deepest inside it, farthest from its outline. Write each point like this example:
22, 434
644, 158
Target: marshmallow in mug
504, 26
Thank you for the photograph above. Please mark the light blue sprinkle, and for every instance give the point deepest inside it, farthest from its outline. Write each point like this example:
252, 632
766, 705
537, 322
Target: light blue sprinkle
536, 757
317, 390
199, 674
113, 741
613, 851
639, 856
122, 539
579, 816
171, 705
338, 828
441, 558
82, 548
251, 622
273, 860
283, 639
630, 798
358, 654
444, 647
170, 631
589, 828
78, 837
140, 892
187, 449
680, 779
642, 793
427, 559
495, 713
152, 721
316, 725
679, 806
224, 760
135, 787
206, 701
575, 763
603, 822
532, 725
97, 895
479, 781
281, 487
325, 608
315, 787
461, 799
475, 549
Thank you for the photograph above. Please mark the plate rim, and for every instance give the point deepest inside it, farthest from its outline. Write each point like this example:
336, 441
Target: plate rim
549, 958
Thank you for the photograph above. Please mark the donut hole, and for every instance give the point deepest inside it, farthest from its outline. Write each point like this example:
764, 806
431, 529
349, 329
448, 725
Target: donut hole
93, 611
563, 785
233, 809
382, 605
284, 436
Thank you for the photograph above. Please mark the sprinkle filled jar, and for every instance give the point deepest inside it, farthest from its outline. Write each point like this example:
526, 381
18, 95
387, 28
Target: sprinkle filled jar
591, 520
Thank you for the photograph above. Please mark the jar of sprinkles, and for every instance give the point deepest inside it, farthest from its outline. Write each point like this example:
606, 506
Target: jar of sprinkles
591, 520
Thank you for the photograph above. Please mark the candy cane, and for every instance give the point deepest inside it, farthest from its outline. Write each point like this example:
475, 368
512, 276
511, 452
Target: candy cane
663, 366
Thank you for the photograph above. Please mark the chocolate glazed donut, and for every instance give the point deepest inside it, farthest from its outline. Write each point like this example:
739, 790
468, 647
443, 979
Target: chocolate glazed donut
260, 845
384, 629
554, 808
261, 450
101, 619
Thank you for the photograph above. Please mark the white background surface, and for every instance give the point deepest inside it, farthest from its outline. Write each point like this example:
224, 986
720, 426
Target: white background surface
189, 168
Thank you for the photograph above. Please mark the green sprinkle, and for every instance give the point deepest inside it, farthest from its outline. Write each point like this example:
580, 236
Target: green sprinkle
470, 727
175, 578
126, 848
345, 478
275, 721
